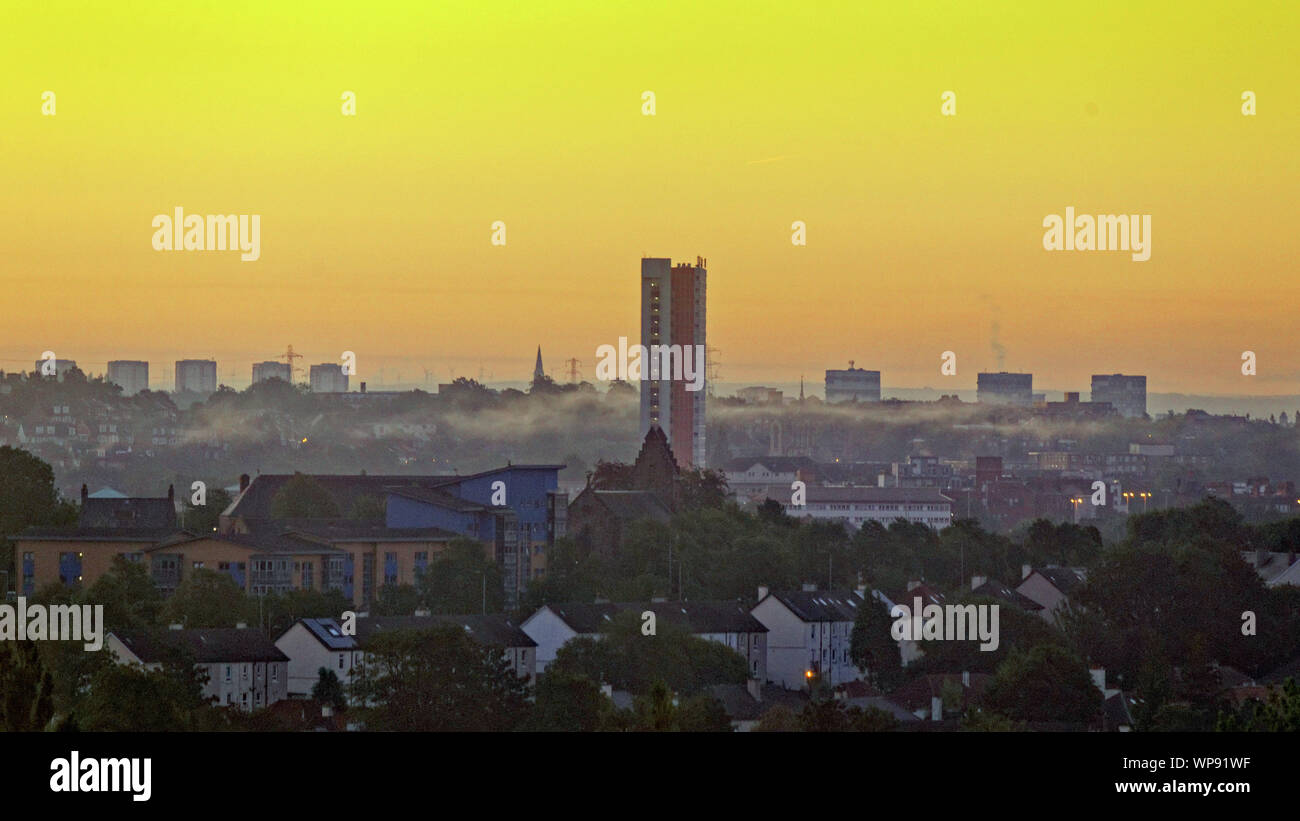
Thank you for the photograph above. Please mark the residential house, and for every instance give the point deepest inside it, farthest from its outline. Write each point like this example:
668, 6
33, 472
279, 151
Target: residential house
244, 669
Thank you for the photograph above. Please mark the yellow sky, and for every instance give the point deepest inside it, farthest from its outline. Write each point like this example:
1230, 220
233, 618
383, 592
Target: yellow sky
923, 230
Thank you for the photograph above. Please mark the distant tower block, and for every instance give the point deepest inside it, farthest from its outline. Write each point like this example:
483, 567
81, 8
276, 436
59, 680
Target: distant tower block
673, 300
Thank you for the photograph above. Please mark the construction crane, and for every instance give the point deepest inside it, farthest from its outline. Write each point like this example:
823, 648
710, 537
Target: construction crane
289, 356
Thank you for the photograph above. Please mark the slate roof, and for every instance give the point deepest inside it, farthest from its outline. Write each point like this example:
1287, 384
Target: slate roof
96, 534
345, 489
997, 590
821, 605
1065, 579
207, 646
741, 706
630, 505
329, 633
128, 513
490, 629
699, 617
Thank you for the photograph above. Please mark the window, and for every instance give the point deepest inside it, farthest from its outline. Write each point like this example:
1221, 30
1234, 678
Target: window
245, 673
275, 673
340, 661
227, 672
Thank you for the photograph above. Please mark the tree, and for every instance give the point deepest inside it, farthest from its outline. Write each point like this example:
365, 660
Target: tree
628, 660
329, 690
396, 600
130, 597
26, 688
779, 719
205, 518
130, 698
702, 487
872, 647
27, 498
438, 680
368, 509
454, 582
280, 611
702, 713
1044, 684
302, 497
207, 598
1280, 713
568, 703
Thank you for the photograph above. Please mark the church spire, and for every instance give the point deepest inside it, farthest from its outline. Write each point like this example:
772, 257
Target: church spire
538, 373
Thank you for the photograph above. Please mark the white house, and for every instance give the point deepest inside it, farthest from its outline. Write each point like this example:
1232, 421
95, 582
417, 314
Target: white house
245, 670
855, 505
808, 633
726, 622
311, 644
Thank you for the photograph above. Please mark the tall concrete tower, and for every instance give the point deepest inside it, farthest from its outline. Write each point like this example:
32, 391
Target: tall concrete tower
673, 314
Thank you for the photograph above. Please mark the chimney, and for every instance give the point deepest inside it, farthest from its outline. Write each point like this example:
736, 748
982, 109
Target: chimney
243, 482
363, 387
861, 590
912, 586
85, 493
171, 493
976, 581
1025, 570
762, 592
755, 688
936, 708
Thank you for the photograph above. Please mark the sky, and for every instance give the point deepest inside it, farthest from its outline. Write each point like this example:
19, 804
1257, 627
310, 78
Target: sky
924, 231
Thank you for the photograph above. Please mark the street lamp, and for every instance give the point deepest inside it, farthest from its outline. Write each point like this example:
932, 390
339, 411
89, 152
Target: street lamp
1145, 496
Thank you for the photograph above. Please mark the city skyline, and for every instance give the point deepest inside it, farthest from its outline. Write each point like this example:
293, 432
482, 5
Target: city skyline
924, 231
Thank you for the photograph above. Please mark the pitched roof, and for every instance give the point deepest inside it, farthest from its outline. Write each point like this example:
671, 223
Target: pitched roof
207, 646
699, 617
96, 534
997, 590
630, 505
127, 513
1064, 579
821, 605
490, 629
345, 489
916, 694
777, 464
741, 706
